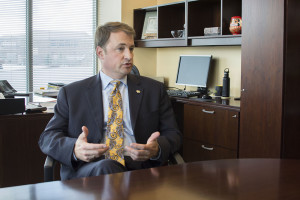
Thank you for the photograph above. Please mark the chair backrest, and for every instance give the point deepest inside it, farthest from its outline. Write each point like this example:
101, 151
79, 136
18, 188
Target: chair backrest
135, 70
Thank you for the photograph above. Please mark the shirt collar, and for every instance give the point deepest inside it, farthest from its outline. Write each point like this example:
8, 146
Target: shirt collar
105, 79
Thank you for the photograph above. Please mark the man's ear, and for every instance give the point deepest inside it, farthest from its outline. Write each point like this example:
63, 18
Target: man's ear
100, 52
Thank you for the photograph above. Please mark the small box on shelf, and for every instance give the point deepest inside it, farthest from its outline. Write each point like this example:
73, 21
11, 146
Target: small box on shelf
210, 31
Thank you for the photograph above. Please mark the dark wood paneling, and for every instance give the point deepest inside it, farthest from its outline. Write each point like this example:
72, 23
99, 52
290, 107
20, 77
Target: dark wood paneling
203, 14
138, 23
291, 116
262, 78
230, 8
21, 160
170, 17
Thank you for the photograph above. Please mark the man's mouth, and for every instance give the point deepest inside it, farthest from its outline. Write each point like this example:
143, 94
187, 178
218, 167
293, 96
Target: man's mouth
128, 64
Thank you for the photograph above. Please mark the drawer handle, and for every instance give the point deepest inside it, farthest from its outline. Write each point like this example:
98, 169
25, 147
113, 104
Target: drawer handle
207, 111
207, 148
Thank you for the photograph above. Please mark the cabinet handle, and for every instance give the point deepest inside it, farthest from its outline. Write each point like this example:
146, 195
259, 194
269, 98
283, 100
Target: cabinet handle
207, 148
207, 111
234, 116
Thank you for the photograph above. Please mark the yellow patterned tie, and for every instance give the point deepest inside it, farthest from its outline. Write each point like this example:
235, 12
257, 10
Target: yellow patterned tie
115, 132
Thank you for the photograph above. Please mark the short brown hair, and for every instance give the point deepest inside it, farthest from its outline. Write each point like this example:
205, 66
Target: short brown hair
103, 32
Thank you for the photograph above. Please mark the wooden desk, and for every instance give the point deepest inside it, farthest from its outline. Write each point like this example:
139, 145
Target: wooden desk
219, 179
21, 160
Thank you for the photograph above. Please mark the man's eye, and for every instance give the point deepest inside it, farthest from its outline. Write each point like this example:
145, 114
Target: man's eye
131, 49
121, 49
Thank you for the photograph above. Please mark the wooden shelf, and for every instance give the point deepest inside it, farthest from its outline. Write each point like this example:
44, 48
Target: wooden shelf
192, 16
169, 42
216, 41
191, 41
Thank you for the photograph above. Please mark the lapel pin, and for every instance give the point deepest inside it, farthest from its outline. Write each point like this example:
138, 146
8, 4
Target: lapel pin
138, 91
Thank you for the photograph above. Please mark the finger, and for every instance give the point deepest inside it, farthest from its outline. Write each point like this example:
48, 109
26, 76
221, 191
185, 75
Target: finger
84, 134
138, 146
137, 153
92, 146
88, 155
102, 151
85, 130
153, 137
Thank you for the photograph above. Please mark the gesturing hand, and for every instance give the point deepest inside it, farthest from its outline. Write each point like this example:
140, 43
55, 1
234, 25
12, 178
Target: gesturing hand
88, 151
143, 152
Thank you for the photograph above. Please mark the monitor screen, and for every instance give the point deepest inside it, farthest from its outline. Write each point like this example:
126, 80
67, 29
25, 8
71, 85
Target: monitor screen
193, 70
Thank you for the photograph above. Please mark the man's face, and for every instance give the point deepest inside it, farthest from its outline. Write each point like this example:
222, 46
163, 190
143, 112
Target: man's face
117, 57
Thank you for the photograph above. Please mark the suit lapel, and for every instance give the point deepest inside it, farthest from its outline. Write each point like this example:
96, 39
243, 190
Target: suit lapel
95, 105
135, 93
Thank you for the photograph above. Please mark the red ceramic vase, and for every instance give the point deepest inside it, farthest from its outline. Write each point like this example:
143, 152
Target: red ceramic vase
236, 25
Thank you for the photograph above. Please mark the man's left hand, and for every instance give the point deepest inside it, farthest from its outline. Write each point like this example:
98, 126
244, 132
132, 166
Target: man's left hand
143, 152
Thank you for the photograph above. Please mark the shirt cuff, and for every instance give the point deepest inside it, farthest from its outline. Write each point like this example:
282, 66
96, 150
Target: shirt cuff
74, 157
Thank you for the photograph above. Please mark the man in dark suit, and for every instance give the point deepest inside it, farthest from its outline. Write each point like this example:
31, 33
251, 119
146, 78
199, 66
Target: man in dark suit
75, 136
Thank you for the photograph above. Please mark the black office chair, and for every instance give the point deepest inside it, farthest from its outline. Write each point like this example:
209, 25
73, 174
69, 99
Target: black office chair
49, 165
135, 71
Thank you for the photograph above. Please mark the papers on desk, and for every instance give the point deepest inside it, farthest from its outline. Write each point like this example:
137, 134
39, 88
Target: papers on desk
30, 108
47, 92
40, 106
40, 103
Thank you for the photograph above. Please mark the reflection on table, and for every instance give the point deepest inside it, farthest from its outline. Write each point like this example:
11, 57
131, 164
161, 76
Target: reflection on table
219, 179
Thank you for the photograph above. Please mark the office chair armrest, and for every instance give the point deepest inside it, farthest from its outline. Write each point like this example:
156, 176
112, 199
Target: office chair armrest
49, 169
176, 159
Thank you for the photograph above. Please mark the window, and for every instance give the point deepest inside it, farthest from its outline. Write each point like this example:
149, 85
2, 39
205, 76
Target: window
44, 41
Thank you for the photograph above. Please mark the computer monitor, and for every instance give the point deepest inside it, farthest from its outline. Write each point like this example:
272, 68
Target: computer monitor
193, 70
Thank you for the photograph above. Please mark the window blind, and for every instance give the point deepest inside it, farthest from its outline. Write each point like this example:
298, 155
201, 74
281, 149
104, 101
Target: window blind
60, 39
13, 43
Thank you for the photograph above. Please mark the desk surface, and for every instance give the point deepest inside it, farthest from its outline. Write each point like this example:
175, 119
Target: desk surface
221, 179
229, 103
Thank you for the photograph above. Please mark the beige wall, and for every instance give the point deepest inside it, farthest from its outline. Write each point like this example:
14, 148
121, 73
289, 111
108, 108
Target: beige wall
144, 58
223, 57
164, 61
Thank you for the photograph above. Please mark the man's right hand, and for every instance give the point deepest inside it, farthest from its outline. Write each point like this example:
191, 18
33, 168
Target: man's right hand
87, 151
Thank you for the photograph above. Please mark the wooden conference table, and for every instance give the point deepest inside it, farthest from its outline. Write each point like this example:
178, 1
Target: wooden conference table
219, 179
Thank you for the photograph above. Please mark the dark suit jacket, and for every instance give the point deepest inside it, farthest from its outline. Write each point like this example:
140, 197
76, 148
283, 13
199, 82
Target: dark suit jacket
80, 104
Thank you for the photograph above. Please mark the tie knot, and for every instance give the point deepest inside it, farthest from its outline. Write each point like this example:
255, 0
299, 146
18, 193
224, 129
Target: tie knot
116, 83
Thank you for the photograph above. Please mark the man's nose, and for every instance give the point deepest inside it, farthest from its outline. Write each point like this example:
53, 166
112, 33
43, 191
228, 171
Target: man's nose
128, 54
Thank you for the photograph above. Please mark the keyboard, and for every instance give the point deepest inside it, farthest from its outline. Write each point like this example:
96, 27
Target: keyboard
182, 93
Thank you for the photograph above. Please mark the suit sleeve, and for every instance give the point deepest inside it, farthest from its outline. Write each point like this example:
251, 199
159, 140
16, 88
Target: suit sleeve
54, 141
170, 139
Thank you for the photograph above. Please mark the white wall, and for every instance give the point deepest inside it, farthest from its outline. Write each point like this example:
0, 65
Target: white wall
110, 10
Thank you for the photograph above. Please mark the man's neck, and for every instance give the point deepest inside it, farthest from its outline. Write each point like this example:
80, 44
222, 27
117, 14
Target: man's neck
113, 76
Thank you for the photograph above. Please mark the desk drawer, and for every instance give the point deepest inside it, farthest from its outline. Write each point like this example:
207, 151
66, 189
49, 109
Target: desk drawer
211, 125
197, 151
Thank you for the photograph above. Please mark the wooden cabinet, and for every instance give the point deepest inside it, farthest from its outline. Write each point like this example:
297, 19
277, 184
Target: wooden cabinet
210, 132
210, 129
270, 72
21, 160
270, 109
192, 16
